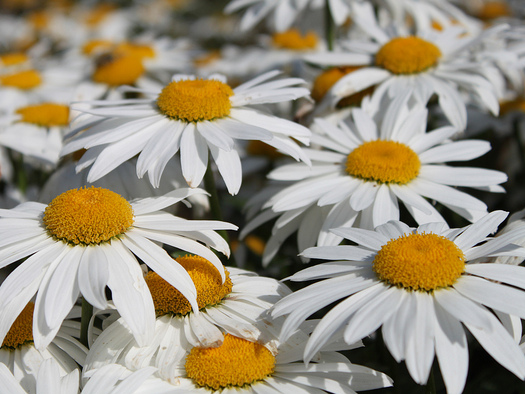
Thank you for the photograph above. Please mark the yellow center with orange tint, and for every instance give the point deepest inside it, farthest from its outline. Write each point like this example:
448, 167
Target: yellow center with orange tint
324, 82
293, 39
24, 80
21, 331
383, 162
88, 216
208, 283
407, 55
13, 58
46, 114
140, 50
234, 364
493, 10
195, 100
116, 70
424, 262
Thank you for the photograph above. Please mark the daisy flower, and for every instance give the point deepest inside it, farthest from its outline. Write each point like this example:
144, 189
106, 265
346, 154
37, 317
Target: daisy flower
243, 366
49, 83
429, 63
195, 116
19, 355
238, 307
35, 130
129, 62
284, 12
87, 239
420, 286
364, 167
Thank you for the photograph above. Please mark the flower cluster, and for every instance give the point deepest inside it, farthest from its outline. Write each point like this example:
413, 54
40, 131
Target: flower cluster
136, 138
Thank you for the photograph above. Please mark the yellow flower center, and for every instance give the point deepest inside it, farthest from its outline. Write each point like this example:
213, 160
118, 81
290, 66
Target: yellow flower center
47, 114
493, 10
21, 331
422, 262
324, 82
139, 50
13, 58
207, 280
115, 70
407, 55
236, 363
94, 46
383, 162
293, 39
24, 80
88, 216
195, 100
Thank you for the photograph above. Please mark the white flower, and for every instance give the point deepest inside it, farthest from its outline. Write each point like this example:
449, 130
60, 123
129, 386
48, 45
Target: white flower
87, 239
285, 12
420, 287
221, 370
20, 357
429, 63
36, 130
238, 307
365, 167
195, 116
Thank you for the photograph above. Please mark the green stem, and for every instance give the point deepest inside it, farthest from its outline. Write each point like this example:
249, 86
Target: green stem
85, 317
430, 387
215, 206
329, 27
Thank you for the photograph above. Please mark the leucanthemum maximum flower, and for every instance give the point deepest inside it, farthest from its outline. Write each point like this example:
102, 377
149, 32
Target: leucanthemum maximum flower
19, 355
243, 366
419, 286
194, 116
364, 167
87, 239
426, 64
238, 307
36, 130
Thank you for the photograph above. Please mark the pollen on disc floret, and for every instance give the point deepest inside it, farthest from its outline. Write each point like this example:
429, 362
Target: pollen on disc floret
195, 100
408, 55
236, 363
424, 262
21, 331
208, 283
383, 162
88, 216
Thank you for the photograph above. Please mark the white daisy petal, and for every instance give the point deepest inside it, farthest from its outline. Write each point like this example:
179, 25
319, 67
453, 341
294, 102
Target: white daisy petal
451, 350
229, 165
93, 269
130, 292
500, 297
500, 345
193, 156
